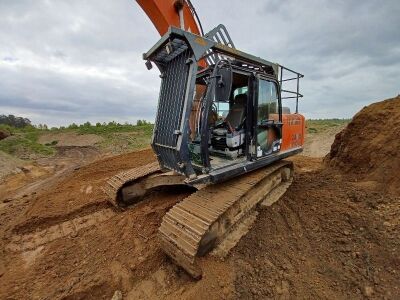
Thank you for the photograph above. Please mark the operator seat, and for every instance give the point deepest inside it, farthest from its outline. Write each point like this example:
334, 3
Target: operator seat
236, 114
232, 135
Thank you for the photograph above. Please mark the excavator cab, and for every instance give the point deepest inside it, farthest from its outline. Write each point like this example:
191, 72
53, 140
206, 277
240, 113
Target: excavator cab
250, 125
218, 121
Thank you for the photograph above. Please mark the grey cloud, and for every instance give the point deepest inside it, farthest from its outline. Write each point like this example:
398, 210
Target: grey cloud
72, 61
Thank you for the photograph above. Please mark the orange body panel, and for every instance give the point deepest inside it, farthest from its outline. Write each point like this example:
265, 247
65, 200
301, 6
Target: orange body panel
163, 15
293, 131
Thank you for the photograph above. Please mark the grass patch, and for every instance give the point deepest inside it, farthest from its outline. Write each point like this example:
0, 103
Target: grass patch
23, 147
320, 125
23, 142
125, 137
117, 138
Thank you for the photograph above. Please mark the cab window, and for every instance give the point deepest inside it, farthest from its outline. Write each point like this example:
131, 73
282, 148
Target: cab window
267, 101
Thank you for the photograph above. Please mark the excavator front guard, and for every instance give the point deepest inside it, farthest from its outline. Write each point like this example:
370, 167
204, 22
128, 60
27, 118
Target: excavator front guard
176, 55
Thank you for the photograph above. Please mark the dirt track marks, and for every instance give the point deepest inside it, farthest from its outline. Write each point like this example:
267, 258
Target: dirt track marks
31, 241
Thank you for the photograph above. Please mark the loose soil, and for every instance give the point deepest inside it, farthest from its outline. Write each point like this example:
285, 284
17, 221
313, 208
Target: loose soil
4, 134
369, 147
327, 237
334, 234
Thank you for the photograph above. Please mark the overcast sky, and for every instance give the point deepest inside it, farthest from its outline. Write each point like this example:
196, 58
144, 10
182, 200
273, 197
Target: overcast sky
76, 61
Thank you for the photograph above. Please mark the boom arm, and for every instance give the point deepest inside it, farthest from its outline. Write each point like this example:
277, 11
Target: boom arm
166, 13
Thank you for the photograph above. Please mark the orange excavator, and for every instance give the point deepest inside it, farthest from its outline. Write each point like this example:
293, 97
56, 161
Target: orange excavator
220, 128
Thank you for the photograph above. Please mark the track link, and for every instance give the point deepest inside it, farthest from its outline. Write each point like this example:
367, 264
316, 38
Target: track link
200, 222
117, 182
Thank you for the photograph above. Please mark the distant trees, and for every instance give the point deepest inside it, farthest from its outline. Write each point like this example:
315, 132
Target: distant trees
73, 126
20, 122
42, 127
109, 124
14, 121
142, 122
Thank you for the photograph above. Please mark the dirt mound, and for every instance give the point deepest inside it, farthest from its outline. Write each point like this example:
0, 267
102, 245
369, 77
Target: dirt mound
324, 239
369, 146
4, 133
79, 192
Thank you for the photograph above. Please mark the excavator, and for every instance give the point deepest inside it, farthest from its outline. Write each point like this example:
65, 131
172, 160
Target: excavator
220, 129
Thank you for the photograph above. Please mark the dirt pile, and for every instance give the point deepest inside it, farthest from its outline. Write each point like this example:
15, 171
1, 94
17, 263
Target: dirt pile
3, 135
369, 147
326, 238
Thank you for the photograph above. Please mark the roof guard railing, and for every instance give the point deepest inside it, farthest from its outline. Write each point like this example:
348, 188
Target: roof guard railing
290, 76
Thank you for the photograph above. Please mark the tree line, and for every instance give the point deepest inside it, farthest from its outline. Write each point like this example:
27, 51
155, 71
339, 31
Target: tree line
14, 121
20, 122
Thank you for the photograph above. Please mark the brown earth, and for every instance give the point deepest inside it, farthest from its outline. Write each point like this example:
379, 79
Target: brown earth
327, 237
70, 139
369, 147
19, 178
9, 165
68, 242
332, 235
4, 133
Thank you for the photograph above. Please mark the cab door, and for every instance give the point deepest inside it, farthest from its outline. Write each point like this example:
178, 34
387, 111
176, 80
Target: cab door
268, 125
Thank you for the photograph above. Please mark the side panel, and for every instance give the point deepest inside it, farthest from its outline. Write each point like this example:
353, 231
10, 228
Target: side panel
293, 131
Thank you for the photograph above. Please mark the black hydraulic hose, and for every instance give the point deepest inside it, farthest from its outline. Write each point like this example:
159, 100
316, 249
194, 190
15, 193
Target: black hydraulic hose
191, 7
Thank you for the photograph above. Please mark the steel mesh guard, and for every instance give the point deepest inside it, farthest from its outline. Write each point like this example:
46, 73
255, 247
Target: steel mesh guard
171, 105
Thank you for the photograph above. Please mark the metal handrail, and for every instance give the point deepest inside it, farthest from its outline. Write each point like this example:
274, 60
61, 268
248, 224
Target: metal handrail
297, 91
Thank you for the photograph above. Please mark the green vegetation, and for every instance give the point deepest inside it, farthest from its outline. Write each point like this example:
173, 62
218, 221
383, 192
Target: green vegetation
319, 125
116, 137
23, 142
111, 127
120, 137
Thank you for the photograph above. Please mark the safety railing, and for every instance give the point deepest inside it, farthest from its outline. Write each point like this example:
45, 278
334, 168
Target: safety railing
287, 75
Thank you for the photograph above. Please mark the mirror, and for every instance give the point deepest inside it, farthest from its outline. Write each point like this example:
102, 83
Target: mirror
223, 81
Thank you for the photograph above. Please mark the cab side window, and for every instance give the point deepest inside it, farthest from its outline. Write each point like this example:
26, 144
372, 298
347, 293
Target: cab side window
267, 101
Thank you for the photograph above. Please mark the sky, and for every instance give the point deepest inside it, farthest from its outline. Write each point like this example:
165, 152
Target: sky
76, 61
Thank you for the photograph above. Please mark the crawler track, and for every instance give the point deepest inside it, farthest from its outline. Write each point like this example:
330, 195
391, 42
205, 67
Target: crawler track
201, 221
117, 182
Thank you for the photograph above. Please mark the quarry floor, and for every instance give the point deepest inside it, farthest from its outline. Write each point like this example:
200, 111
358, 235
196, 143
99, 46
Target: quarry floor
329, 236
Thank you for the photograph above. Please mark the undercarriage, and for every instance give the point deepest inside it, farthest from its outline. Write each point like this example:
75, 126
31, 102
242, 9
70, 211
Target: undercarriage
200, 222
